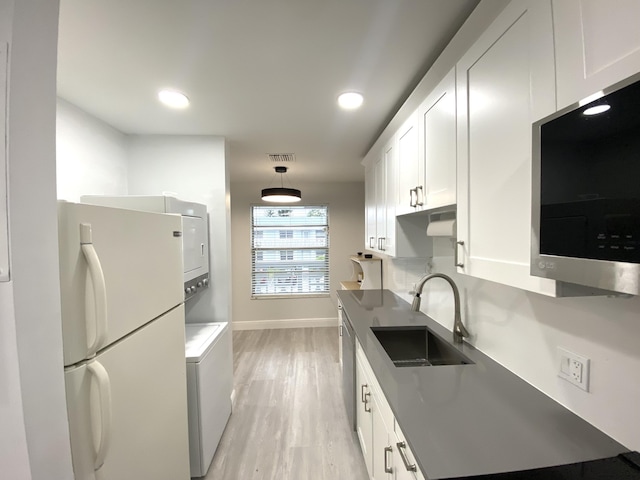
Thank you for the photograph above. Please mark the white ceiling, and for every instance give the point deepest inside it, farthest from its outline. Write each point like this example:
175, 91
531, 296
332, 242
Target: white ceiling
263, 73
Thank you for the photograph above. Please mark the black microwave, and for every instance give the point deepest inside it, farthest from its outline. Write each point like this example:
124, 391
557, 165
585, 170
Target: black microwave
586, 191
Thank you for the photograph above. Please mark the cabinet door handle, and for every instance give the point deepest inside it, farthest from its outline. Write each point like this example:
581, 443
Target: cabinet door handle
411, 467
459, 264
419, 196
413, 197
371, 241
366, 402
362, 387
340, 330
387, 468
381, 242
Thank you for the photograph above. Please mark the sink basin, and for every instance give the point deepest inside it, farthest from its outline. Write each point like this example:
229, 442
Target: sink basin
417, 347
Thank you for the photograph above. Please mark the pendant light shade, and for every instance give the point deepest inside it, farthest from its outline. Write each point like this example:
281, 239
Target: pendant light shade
281, 194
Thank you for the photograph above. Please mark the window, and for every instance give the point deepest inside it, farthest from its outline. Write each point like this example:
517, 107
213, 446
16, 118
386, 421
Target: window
284, 255
289, 251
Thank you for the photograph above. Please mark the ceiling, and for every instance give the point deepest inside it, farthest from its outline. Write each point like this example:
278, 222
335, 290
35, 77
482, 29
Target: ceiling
265, 74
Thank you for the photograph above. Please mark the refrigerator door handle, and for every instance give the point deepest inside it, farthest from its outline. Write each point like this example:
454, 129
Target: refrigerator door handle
104, 392
99, 289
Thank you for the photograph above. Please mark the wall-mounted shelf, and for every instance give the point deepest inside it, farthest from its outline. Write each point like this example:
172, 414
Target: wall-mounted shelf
366, 274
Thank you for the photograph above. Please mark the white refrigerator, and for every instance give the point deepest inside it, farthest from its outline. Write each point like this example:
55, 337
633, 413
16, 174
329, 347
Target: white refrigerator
123, 336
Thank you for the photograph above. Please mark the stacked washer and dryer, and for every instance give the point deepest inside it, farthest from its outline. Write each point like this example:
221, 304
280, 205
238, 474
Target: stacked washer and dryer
208, 349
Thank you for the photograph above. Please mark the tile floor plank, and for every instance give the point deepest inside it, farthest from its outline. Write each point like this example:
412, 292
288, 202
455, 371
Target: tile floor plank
289, 420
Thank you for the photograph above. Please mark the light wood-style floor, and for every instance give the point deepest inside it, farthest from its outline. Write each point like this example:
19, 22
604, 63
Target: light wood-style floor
289, 421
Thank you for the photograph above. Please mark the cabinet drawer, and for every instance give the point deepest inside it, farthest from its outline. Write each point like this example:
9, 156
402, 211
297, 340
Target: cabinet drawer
404, 461
376, 390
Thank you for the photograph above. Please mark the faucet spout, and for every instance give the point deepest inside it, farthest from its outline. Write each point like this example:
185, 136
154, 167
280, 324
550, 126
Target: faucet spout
459, 330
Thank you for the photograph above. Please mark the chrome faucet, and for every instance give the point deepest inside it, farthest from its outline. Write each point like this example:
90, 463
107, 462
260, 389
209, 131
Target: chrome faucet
459, 331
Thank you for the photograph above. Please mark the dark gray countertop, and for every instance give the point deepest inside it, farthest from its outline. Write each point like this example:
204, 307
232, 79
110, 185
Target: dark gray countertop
464, 420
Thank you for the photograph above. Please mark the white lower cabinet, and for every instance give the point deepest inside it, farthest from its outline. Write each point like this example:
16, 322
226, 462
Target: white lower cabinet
382, 450
404, 463
364, 419
383, 444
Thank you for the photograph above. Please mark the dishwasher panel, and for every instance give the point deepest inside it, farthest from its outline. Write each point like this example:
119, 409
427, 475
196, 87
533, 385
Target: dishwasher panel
348, 369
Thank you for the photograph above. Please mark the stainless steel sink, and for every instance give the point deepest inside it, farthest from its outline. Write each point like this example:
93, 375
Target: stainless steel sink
417, 347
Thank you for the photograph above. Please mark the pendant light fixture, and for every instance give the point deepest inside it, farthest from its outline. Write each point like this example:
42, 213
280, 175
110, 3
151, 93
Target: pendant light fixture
281, 194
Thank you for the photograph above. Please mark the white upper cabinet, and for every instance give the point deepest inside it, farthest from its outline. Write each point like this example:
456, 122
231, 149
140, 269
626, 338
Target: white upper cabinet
437, 144
388, 245
427, 152
380, 199
597, 44
381, 207
370, 206
504, 82
410, 168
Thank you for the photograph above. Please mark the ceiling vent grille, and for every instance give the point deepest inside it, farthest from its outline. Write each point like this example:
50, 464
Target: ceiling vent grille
282, 157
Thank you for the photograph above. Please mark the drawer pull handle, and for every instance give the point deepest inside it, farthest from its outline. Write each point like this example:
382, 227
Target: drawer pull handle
458, 264
362, 387
401, 449
419, 196
366, 402
387, 468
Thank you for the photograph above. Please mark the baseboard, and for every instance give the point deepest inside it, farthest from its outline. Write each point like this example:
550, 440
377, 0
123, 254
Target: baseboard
286, 323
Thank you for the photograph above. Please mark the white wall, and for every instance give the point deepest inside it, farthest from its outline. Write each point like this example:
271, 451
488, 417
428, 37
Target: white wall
31, 304
95, 158
14, 457
522, 331
195, 169
346, 231
91, 156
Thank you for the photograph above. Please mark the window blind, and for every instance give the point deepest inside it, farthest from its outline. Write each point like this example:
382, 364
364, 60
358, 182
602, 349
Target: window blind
289, 251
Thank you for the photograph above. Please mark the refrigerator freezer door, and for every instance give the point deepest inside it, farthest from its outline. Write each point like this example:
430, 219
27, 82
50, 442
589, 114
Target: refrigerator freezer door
146, 414
140, 254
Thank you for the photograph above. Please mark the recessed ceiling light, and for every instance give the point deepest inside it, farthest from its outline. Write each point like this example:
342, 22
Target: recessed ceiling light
350, 100
595, 110
173, 98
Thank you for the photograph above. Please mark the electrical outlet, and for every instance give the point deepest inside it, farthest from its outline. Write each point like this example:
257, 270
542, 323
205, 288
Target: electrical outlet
574, 368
